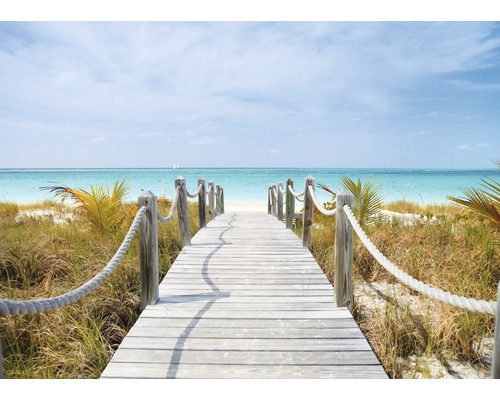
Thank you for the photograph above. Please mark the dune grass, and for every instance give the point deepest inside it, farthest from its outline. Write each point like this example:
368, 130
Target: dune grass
41, 259
457, 253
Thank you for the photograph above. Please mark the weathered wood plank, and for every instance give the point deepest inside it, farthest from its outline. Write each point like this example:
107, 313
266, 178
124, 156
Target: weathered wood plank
242, 371
248, 333
326, 324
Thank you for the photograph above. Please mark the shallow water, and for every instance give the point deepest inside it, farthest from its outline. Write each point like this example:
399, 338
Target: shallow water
244, 185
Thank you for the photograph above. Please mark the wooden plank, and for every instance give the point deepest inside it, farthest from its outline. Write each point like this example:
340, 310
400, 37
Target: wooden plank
249, 333
246, 323
242, 371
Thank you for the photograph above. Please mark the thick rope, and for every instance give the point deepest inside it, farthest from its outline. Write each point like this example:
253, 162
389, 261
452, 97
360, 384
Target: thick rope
318, 204
295, 194
195, 194
14, 307
478, 306
169, 217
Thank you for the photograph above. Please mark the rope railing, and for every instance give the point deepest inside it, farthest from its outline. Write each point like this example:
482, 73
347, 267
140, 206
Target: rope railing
170, 216
345, 226
320, 206
146, 217
195, 194
470, 304
295, 194
15, 307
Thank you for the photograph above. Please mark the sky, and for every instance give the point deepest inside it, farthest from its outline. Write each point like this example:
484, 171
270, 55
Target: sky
249, 94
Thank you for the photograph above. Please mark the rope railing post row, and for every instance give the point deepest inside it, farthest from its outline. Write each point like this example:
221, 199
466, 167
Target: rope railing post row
183, 212
290, 205
495, 365
217, 200
211, 199
307, 219
280, 202
148, 250
202, 204
344, 248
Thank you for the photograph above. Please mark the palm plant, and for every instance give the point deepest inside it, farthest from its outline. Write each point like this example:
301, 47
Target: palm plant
367, 198
104, 210
484, 201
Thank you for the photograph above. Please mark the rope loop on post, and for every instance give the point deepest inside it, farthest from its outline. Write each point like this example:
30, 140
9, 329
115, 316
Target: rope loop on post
195, 194
294, 193
477, 306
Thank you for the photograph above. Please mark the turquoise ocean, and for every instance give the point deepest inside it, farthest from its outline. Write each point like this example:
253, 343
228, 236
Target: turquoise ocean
244, 185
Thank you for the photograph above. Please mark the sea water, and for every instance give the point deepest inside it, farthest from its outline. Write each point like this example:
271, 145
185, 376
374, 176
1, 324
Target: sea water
244, 185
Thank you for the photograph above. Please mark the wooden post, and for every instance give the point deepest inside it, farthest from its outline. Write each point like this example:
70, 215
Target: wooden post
183, 213
495, 365
344, 244
217, 199
290, 205
269, 205
273, 199
202, 204
280, 202
148, 250
211, 199
222, 200
307, 225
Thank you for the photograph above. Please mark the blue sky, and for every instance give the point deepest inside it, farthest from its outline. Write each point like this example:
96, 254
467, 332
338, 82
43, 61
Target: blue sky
249, 94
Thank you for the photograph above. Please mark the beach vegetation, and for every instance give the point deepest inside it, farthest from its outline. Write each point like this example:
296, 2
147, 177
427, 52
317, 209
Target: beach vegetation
367, 198
484, 200
40, 258
412, 335
104, 209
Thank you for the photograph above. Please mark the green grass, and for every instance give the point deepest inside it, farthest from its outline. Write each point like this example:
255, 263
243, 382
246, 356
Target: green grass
41, 259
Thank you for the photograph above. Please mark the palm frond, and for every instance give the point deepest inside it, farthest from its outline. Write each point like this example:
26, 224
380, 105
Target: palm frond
481, 202
367, 199
327, 189
103, 209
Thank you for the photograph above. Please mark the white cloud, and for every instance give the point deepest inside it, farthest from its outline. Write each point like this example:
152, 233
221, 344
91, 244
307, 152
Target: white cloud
98, 140
420, 133
204, 141
463, 147
434, 113
483, 145
196, 82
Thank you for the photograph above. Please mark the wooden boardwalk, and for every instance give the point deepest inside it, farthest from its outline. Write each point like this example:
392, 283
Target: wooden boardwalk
245, 300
